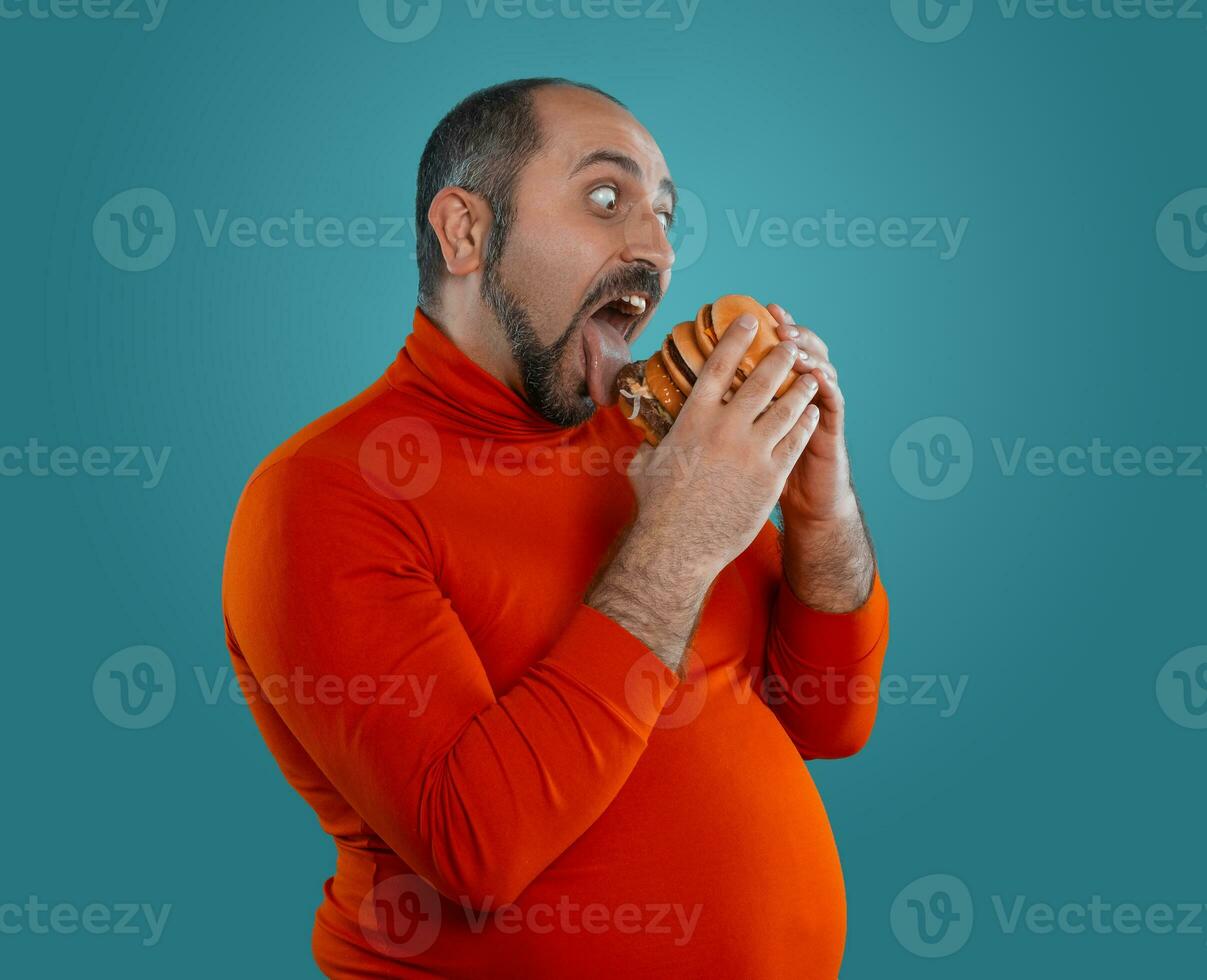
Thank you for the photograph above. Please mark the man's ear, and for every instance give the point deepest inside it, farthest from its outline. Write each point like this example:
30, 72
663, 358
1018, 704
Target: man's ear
461, 220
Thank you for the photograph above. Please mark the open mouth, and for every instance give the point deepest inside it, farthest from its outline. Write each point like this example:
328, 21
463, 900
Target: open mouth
624, 313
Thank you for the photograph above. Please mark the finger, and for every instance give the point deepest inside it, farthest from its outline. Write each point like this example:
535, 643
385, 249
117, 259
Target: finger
716, 375
782, 315
810, 359
785, 410
787, 451
808, 337
810, 341
816, 352
757, 390
830, 400
786, 329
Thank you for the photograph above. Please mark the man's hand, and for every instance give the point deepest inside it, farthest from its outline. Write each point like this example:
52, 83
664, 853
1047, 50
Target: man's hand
704, 494
827, 556
819, 487
723, 464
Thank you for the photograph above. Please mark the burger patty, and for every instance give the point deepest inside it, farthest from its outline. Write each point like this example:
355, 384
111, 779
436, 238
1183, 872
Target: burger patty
681, 364
709, 330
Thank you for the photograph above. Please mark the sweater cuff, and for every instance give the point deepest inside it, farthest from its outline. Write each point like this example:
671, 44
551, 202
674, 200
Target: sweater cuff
829, 638
606, 658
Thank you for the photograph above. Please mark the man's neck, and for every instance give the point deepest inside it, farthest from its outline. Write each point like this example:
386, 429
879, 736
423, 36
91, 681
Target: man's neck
479, 337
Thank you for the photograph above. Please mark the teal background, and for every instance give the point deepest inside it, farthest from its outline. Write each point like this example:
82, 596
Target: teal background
1059, 319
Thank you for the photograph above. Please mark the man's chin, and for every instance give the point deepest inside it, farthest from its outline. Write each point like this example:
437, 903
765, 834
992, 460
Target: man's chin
571, 409
587, 405
580, 405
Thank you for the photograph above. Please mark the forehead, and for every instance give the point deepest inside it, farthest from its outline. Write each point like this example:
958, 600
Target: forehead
576, 122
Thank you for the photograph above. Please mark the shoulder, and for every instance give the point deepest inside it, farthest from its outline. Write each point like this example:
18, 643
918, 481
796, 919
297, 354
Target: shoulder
327, 477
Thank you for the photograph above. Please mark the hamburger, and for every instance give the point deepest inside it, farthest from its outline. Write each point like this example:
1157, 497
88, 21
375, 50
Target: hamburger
652, 392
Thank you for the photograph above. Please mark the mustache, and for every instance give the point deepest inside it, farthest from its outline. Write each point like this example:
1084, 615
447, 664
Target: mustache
631, 279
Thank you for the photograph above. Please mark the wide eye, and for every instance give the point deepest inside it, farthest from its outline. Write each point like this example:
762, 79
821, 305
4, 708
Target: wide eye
605, 197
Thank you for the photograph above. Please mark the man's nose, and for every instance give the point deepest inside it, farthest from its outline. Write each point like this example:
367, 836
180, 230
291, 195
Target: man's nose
645, 240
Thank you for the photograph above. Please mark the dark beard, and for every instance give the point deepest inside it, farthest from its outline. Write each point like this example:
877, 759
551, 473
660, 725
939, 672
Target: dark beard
540, 367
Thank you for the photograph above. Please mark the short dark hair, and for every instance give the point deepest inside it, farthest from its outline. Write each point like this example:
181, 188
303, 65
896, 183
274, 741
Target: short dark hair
482, 144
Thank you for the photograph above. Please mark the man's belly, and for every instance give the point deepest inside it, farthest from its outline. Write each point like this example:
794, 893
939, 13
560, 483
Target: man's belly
721, 823
716, 859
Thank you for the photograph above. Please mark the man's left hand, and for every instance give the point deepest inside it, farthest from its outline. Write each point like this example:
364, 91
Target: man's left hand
819, 488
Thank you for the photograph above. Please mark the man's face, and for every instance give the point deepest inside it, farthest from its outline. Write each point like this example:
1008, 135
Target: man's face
590, 212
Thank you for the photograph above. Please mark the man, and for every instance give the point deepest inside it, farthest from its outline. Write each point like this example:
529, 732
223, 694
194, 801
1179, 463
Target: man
549, 692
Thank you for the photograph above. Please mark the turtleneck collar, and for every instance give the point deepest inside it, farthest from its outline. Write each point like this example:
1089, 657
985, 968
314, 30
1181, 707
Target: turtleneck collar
465, 390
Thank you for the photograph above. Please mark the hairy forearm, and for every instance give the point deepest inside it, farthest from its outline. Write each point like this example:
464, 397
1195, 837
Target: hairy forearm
829, 565
653, 594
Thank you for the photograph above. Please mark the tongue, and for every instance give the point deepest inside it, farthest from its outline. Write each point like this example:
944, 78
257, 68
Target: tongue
606, 354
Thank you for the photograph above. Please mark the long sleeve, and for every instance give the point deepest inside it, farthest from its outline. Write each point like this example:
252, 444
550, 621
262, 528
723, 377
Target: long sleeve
477, 793
822, 670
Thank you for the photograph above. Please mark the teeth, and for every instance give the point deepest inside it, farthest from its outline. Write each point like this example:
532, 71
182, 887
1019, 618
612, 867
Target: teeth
635, 301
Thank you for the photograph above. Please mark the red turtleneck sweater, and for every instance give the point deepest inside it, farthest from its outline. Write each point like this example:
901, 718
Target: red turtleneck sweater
516, 786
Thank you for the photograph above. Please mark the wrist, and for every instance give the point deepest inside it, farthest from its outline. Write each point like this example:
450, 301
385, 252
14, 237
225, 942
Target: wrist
663, 555
652, 594
798, 521
828, 564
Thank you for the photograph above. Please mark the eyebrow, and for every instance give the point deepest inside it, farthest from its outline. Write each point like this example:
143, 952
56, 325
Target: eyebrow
629, 166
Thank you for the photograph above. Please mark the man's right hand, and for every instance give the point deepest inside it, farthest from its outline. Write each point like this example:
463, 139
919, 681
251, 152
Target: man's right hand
715, 477
704, 494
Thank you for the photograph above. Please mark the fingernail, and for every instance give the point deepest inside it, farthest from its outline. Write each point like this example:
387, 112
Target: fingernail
804, 355
793, 332
747, 321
